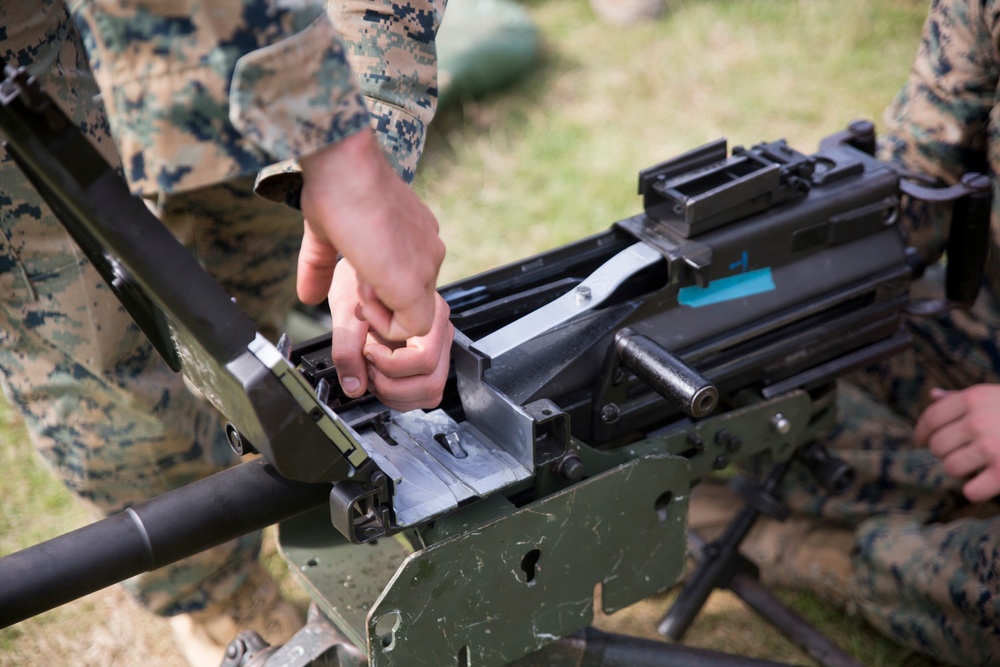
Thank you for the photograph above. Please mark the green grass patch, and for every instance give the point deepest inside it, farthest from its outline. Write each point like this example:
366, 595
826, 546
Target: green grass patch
555, 157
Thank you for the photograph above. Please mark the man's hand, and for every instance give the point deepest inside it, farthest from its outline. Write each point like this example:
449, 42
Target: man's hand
356, 205
962, 428
404, 377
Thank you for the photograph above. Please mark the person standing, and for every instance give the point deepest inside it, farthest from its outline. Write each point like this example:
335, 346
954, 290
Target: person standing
191, 100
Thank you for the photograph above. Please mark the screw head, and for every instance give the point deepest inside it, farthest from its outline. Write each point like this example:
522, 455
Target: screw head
232, 650
780, 424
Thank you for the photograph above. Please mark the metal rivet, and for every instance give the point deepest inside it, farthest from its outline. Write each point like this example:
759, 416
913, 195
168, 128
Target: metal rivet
780, 424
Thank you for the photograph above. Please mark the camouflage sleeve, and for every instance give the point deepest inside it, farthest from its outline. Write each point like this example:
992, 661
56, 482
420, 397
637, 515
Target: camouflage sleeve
391, 49
201, 91
939, 123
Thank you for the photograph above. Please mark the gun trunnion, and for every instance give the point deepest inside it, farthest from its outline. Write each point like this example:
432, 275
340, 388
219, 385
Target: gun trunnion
592, 386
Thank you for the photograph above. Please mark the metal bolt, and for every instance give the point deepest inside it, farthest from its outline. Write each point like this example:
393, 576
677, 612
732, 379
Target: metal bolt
236, 441
583, 295
610, 413
695, 441
452, 444
232, 651
455, 445
721, 461
780, 424
734, 444
571, 468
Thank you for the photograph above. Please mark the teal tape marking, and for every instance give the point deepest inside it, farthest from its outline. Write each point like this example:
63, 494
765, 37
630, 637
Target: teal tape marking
726, 289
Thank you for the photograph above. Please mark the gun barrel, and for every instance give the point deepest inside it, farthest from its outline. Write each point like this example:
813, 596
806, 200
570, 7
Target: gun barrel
175, 525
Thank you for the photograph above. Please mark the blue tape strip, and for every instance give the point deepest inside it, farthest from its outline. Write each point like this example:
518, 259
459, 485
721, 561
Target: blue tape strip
726, 289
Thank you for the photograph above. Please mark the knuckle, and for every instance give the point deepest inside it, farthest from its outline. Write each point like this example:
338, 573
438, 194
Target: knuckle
951, 467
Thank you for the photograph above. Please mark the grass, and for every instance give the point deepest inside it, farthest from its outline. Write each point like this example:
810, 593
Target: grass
556, 156
549, 160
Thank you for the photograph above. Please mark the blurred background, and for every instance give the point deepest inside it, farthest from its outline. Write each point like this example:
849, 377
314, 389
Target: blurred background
549, 158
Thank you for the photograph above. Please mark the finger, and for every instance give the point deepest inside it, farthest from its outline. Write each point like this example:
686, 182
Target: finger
411, 392
964, 461
421, 354
346, 344
413, 319
317, 260
377, 314
943, 411
406, 398
984, 486
399, 313
949, 438
349, 333
366, 292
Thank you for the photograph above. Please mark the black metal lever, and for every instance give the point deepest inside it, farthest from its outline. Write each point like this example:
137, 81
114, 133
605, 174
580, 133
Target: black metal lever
664, 372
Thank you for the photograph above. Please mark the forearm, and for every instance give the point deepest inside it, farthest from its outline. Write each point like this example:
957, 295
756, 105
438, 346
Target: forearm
938, 123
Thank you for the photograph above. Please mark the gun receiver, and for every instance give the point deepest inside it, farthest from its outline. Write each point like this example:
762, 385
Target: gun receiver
592, 386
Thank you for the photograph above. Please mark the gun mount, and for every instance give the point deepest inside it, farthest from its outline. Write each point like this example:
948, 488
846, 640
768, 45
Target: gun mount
592, 386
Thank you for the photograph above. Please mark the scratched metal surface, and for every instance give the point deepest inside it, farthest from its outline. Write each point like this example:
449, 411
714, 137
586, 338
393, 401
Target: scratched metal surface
488, 596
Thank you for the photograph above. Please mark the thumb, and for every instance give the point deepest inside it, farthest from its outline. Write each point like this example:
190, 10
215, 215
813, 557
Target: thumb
317, 261
349, 332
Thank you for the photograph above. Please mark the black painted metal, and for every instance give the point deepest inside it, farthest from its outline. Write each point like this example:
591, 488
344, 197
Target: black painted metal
160, 531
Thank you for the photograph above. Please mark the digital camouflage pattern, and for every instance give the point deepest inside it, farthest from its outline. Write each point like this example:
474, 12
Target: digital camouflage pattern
113, 422
391, 50
107, 415
193, 99
390, 47
927, 561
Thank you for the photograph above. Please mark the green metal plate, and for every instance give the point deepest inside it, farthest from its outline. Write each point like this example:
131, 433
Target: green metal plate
342, 578
498, 582
496, 593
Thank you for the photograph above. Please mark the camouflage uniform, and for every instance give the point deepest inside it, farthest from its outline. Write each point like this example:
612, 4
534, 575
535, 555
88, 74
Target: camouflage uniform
199, 97
927, 563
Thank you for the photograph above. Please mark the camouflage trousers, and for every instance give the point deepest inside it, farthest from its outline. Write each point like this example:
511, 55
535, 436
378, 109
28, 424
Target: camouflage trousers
927, 563
105, 413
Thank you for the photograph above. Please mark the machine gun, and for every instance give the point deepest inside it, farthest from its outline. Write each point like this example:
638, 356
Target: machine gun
592, 386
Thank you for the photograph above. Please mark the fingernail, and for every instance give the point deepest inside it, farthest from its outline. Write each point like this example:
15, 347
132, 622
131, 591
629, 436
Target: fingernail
371, 375
350, 384
370, 358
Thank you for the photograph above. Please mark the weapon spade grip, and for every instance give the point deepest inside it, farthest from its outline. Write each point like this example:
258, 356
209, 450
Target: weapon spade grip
969, 241
668, 375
